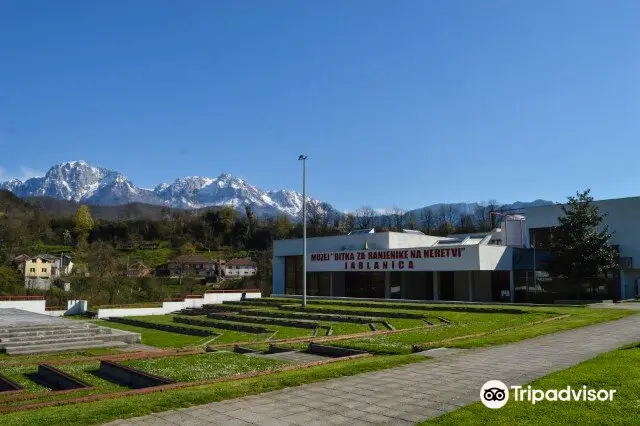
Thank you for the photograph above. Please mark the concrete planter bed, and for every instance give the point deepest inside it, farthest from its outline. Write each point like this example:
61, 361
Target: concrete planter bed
220, 308
194, 312
333, 351
222, 325
163, 327
469, 309
243, 350
259, 320
273, 349
378, 314
310, 316
256, 302
55, 379
8, 386
129, 376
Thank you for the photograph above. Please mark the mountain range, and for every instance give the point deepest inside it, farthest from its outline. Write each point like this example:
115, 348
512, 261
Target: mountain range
80, 182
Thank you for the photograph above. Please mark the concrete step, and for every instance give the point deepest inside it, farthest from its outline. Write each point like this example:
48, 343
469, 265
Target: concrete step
47, 327
55, 340
64, 347
28, 335
53, 336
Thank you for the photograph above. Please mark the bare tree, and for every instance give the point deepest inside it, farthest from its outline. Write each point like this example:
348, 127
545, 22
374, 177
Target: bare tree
428, 220
397, 218
315, 218
410, 221
365, 217
385, 220
349, 223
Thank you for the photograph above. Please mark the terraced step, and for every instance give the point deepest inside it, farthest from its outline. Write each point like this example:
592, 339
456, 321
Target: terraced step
63, 347
28, 328
53, 339
35, 334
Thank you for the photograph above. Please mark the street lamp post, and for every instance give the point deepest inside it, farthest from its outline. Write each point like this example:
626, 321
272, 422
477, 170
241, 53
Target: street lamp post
303, 158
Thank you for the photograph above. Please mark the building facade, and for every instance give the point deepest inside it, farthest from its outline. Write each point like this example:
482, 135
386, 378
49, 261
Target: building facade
402, 265
621, 216
504, 265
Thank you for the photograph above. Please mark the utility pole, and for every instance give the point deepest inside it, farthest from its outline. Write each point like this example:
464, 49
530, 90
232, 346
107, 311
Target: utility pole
303, 158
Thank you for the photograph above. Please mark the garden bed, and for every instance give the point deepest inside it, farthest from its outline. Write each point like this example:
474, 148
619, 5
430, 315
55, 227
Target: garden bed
164, 327
222, 325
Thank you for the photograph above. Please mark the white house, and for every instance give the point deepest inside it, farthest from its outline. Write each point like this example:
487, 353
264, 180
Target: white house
240, 268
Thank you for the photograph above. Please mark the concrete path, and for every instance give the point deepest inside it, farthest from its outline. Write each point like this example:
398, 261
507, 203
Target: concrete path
410, 393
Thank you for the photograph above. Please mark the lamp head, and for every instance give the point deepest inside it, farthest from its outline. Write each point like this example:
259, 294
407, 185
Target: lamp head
302, 157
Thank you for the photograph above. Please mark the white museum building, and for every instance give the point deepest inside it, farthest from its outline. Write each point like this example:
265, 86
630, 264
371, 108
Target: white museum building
497, 266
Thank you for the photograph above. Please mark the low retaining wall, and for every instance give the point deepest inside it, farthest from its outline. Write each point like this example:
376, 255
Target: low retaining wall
26, 303
470, 309
310, 316
378, 314
255, 320
8, 385
55, 379
333, 351
129, 376
193, 301
224, 326
431, 302
163, 327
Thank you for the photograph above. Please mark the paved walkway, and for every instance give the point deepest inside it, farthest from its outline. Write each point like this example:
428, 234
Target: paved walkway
410, 393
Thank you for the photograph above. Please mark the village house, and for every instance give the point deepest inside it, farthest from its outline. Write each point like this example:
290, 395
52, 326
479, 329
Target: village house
240, 268
194, 265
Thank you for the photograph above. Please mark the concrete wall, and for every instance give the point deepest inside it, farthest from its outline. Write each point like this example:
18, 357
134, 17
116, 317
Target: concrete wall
37, 306
174, 306
495, 258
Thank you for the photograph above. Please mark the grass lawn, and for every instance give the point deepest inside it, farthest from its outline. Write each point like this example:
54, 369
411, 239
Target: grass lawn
13, 359
139, 405
464, 324
618, 370
204, 366
161, 339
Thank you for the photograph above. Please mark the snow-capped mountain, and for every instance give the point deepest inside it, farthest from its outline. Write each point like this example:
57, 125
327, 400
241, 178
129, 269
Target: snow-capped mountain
81, 182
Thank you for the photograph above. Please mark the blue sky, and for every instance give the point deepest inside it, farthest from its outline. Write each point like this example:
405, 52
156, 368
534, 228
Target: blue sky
396, 103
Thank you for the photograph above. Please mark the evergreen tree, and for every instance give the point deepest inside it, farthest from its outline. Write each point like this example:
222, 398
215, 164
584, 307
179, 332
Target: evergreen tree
580, 249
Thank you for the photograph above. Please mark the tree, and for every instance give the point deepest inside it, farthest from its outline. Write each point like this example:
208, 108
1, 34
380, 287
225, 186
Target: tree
428, 220
104, 267
66, 238
83, 222
580, 249
365, 217
398, 217
187, 248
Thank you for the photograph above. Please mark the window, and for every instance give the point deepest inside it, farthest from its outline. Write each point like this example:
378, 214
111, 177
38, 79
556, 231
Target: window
237, 267
32, 270
44, 269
